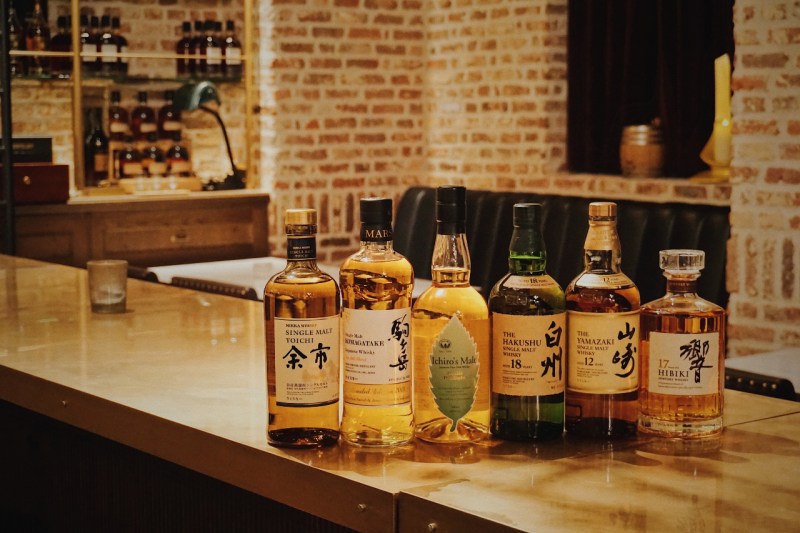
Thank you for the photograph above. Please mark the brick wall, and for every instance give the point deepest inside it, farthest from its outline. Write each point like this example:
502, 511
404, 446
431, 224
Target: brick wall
764, 251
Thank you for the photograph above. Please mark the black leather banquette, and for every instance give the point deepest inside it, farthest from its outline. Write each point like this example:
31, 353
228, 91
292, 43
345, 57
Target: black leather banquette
644, 229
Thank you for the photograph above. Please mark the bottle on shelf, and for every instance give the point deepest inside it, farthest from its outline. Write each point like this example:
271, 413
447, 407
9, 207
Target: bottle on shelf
37, 39
682, 354
450, 337
61, 67
107, 46
169, 118
301, 312
118, 119
179, 162
154, 161
603, 337
184, 46
196, 64
143, 119
232, 52
88, 46
376, 284
128, 161
96, 149
529, 325
95, 36
122, 47
16, 41
211, 50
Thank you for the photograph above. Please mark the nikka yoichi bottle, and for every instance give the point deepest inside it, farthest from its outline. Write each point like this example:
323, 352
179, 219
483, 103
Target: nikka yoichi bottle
601, 398
376, 284
683, 354
301, 322
529, 325
450, 337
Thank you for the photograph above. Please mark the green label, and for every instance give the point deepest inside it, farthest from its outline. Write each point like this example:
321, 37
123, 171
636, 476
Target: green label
454, 370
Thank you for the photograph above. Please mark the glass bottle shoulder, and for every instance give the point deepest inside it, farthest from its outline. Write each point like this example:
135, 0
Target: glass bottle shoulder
682, 304
527, 294
385, 262
302, 274
447, 300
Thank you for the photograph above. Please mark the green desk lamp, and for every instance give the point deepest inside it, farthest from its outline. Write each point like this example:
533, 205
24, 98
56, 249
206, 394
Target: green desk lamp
193, 96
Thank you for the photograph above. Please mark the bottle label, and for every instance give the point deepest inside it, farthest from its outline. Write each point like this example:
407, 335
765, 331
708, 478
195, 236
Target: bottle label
213, 56
131, 169
376, 346
123, 50
453, 369
301, 248
603, 352
376, 233
109, 49
233, 56
528, 354
180, 167
605, 281
88, 48
172, 125
101, 163
530, 282
684, 364
307, 361
148, 127
118, 127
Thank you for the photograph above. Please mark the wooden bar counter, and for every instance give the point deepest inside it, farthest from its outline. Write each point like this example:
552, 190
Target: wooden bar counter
114, 421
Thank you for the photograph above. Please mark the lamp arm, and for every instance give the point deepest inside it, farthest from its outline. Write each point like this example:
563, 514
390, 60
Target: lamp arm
224, 134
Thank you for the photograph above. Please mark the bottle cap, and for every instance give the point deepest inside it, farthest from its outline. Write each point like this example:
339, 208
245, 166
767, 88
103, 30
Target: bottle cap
186, 26
686, 261
451, 204
300, 216
142, 95
115, 22
105, 20
602, 210
527, 216
229, 25
376, 210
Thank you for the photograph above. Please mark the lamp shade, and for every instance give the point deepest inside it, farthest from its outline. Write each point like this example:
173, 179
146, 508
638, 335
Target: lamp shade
191, 96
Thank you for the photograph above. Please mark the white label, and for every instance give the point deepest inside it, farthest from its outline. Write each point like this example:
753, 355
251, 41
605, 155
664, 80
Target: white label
172, 125
528, 354
109, 49
213, 56
530, 282
148, 127
233, 56
118, 127
124, 50
684, 364
87, 48
603, 352
307, 361
376, 347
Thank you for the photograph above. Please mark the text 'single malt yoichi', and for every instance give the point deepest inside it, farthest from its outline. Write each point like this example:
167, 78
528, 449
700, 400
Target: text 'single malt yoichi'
301, 322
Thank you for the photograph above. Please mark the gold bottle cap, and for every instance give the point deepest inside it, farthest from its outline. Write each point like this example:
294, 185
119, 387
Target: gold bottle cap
300, 216
602, 210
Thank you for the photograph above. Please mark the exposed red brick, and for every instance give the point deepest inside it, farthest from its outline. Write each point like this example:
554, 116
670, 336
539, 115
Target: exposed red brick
331, 33
758, 127
365, 33
751, 332
293, 48
749, 83
773, 60
783, 175
315, 16
346, 3
367, 138
362, 63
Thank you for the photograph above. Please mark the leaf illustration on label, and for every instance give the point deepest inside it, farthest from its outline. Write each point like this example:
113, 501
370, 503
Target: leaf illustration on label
454, 370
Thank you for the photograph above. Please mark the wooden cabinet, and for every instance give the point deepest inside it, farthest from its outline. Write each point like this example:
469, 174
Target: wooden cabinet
147, 231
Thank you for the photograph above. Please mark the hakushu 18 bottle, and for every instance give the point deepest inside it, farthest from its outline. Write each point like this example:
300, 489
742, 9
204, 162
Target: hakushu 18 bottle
682, 353
603, 337
376, 284
529, 322
301, 313
450, 337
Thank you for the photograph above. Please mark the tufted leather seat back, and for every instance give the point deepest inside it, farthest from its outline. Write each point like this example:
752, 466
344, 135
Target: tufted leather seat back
644, 229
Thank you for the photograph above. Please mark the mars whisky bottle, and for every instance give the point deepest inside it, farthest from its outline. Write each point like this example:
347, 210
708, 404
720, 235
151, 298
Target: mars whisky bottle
301, 312
376, 285
529, 321
683, 354
450, 337
603, 337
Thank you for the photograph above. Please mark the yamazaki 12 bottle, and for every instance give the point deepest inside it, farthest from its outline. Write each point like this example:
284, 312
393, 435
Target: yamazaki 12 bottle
603, 336
301, 312
528, 338
376, 284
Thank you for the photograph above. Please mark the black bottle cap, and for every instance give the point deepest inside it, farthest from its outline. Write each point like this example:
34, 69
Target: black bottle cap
115, 96
229, 25
61, 21
198, 25
527, 216
376, 219
105, 21
142, 95
95, 22
84, 20
451, 209
115, 23
186, 27
169, 95
209, 25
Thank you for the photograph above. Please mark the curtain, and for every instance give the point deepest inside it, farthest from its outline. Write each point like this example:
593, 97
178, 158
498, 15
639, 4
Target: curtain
630, 62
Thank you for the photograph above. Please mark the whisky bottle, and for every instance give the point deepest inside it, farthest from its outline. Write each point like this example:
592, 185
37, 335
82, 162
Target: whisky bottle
128, 161
682, 354
96, 149
179, 162
232, 65
301, 321
61, 67
154, 162
88, 47
122, 47
529, 322
16, 41
195, 48
37, 39
450, 337
376, 285
603, 337
169, 118
94, 38
211, 50
118, 119
143, 119
107, 46
183, 47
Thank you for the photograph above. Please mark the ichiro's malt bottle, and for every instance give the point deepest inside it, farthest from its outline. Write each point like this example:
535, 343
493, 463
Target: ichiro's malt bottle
683, 354
450, 337
603, 337
529, 325
301, 312
376, 287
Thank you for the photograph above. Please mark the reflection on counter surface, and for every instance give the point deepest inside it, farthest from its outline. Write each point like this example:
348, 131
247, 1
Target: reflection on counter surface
180, 376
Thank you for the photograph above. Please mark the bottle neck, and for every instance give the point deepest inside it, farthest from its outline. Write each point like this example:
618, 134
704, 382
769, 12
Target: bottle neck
527, 252
602, 248
377, 247
450, 264
301, 246
684, 284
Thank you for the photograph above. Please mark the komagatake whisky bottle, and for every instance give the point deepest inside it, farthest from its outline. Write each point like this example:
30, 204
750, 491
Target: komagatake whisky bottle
301, 313
682, 354
376, 284
450, 337
603, 337
528, 338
